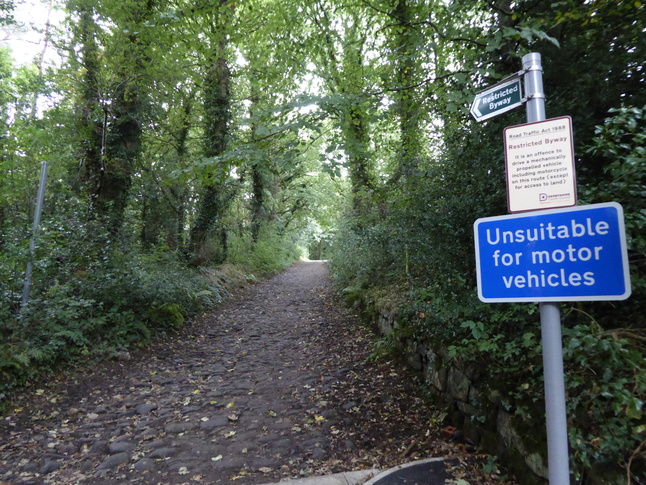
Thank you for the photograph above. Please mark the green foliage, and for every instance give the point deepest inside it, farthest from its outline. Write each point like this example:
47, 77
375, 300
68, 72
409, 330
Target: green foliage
431, 222
606, 393
267, 256
90, 300
145, 130
417, 241
383, 347
607, 367
621, 144
7, 8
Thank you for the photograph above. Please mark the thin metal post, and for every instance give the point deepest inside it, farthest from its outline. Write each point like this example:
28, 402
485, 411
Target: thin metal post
557, 441
533, 79
32, 243
555, 413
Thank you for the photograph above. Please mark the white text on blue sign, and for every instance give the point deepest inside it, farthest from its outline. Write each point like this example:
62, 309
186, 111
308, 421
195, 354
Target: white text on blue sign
558, 255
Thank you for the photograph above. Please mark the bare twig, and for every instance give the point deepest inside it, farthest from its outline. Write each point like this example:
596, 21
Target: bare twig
630, 461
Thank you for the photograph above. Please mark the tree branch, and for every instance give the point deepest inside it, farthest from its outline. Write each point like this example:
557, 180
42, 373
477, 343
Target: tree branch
416, 85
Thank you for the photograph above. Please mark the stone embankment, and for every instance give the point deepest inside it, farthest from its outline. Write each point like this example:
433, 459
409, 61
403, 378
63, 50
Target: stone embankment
478, 412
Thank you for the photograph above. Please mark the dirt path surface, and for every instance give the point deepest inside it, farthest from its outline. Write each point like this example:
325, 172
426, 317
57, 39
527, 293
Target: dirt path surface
271, 385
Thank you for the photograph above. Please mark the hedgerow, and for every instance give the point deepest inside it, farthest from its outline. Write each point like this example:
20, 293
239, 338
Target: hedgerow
423, 252
90, 298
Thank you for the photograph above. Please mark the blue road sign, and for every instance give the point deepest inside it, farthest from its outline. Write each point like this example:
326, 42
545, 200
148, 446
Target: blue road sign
573, 254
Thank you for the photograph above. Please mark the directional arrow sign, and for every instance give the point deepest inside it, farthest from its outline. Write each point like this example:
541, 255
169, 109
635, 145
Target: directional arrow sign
499, 99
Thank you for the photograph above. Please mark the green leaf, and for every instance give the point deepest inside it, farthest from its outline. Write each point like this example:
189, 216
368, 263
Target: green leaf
634, 408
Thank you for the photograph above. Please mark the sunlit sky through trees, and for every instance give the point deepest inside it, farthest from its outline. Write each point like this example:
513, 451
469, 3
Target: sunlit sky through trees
27, 38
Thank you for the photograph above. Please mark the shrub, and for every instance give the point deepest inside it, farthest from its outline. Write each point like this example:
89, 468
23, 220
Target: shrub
270, 254
91, 300
423, 251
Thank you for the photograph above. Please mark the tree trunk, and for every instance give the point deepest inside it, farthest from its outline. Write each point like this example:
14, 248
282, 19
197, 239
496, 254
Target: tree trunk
355, 136
91, 114
361, 177
258, 212
181, 193
407, 105
262, 177
113, 136
123, 144
217, 194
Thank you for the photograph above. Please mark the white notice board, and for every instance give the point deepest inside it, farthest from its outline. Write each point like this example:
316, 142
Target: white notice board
540, 165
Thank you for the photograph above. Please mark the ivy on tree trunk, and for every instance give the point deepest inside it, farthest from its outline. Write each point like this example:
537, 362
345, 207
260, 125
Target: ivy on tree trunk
218, 191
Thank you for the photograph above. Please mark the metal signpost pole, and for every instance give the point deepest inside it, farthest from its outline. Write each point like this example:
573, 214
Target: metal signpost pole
557, 440
32, 243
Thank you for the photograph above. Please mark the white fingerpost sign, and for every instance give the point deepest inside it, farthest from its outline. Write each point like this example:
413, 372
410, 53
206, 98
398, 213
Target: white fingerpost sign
540, 165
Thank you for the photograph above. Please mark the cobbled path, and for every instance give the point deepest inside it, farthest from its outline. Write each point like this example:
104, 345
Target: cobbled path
237, 399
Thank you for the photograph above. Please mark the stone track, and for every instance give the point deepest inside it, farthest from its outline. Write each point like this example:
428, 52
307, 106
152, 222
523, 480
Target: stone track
231, 402
269, 386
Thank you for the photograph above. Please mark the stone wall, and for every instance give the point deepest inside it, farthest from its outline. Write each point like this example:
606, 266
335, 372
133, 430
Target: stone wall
473, 404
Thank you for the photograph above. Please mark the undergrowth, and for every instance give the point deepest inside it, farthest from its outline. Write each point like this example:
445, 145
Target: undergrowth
423, 252
268, 255
92, 301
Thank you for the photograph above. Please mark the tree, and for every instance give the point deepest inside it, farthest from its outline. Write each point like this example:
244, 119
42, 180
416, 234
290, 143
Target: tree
219, 188
405, 41
164, 193
7, 8
337, 47
111, 102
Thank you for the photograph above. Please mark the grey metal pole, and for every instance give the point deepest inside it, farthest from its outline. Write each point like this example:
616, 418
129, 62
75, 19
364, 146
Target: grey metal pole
533, 79
32, 243
557, 441
556, 417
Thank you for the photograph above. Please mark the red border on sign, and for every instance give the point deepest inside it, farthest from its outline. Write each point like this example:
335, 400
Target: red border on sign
568, 119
